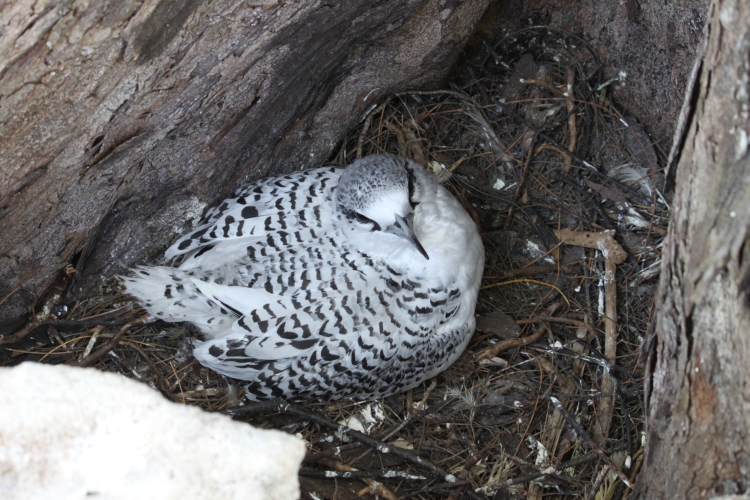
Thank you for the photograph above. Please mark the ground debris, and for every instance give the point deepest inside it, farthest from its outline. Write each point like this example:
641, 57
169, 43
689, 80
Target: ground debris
528, 139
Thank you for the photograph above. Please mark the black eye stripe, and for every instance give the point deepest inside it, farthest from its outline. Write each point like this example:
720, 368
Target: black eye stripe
351, 214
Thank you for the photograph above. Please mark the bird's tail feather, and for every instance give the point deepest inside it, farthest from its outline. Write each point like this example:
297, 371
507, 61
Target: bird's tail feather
171, 294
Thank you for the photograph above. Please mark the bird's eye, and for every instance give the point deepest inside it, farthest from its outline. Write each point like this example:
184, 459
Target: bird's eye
362, 219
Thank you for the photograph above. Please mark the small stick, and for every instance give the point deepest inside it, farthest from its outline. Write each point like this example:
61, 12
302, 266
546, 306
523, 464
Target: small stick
373, 487
377, 489
383, 436
437, 487
568, 161
68, 323
610, 350
414, 146
494, 350
366, 126
359, 474
409, 416
550, 471
92, 342
160, 382
551, 319
399, 136
522, 183
88, 361
532, 270
504, 345
14, 291
284, 407
63, 280
598, 483
378, 445
590, 442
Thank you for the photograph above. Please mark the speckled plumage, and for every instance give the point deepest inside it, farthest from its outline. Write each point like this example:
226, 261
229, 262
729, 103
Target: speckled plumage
326, 283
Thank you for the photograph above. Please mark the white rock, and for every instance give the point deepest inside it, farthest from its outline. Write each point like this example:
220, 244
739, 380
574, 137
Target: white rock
77, 433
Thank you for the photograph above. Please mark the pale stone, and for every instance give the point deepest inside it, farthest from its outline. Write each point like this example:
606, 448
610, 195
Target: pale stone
80, 433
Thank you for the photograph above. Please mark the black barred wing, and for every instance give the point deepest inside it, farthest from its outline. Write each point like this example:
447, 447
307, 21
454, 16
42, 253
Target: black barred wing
325, 338
276, 207
344, 332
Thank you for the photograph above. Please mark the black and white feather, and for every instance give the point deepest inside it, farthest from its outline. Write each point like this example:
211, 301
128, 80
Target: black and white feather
326, 283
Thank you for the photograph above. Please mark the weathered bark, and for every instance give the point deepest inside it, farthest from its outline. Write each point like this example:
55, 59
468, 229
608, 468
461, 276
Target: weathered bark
121, 120
698, 381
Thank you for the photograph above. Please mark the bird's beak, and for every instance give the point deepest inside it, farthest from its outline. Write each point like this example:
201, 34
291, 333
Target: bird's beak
403, 229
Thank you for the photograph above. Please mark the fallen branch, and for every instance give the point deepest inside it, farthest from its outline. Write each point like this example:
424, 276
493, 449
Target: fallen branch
613, 254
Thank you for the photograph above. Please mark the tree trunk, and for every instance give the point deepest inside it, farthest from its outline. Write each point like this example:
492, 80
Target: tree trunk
120, 121
698, 370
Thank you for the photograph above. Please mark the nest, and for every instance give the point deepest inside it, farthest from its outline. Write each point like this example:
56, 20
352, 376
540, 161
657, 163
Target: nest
547, 399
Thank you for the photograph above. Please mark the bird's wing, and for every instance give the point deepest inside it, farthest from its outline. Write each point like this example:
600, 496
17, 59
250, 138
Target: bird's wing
341, 331
327, 331
277, 207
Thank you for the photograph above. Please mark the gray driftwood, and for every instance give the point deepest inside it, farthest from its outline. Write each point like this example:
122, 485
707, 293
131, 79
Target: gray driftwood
121, 120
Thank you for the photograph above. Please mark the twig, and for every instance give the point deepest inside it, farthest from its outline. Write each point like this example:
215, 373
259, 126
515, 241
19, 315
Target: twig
382, 436
92, 342
413, 144
411, 416
366, 126
588, 198
552, 319
378, 445
373, 487
67, 323
588, 441
504, 345
526, 280
550, 471
437, 487
14, 291
160, 382
359, 474
532, 270
88, 361
63, 280
597, 484
494, 350
522, 183
568, 161
399, 136
545, 137
285, 407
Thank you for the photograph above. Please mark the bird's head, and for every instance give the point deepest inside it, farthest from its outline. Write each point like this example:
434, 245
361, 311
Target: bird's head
378, 194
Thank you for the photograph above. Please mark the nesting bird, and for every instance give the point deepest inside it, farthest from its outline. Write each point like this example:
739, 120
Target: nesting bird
329, 283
